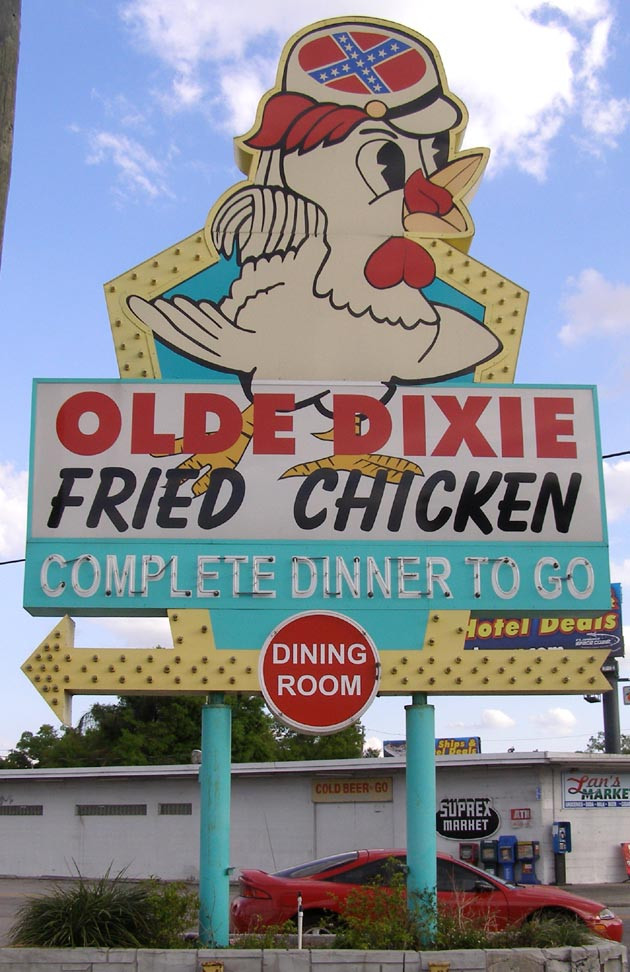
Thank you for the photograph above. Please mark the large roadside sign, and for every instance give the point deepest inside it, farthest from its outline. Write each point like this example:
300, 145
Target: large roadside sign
495, 501
316, 413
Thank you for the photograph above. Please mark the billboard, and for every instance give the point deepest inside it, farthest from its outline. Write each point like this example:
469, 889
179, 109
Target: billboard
444, 746
551, 632
495, 499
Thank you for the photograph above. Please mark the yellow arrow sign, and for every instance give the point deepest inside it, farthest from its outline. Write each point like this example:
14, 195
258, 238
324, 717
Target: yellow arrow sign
194, 666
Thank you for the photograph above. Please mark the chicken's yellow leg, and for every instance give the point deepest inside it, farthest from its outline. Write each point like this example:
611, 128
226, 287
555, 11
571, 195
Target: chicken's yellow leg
217, 460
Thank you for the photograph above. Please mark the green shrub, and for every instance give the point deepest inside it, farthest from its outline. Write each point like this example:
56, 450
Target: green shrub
377, 917
545, 931
266, 936
107, 913
175, 910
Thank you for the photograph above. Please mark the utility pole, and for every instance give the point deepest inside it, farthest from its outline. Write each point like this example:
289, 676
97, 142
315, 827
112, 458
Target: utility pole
9, 45
610, 704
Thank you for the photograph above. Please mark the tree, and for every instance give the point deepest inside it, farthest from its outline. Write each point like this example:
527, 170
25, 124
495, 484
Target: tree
340, 745
596, 744
33, 749
147, 730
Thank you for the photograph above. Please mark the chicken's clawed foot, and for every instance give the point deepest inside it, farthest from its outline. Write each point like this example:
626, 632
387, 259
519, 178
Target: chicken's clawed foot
367, 465
209, 461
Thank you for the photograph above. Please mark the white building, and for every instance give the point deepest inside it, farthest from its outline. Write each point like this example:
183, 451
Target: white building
146, 819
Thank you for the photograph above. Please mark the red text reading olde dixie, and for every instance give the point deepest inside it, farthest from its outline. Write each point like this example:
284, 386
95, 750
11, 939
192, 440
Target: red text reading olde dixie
550, 417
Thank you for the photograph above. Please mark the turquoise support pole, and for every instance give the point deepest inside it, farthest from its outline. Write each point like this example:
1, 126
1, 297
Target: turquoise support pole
214, 850
421, 835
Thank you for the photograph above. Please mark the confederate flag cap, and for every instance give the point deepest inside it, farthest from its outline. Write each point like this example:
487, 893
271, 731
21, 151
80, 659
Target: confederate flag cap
372, 62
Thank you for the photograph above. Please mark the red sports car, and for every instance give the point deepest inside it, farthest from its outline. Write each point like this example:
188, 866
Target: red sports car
271, 899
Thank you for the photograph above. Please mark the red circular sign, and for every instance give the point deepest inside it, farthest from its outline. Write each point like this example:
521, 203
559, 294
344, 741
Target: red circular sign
319, 672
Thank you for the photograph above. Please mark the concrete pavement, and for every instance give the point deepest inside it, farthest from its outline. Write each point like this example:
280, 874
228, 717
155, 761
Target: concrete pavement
613, 895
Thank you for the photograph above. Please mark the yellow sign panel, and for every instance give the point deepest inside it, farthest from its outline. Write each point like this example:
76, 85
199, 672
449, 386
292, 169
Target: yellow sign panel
194, 666
376, 789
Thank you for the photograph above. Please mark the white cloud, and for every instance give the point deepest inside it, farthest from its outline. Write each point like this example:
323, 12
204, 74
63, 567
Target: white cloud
496, 719
603, 116
605, 119
138, 170
492, 58
240, 94
620, 573
373, 742
617, 483
489, 719
13, 503
595, 307
132, 632
121, 110
555, 722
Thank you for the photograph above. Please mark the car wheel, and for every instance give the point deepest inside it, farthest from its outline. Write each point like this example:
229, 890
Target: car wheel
319, 923
546, 914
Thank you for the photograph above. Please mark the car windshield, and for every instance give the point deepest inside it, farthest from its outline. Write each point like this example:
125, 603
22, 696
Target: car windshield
317, 867
493, 877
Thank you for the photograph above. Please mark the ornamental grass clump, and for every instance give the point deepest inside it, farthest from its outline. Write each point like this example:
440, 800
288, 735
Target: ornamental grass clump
107, 913
545, 931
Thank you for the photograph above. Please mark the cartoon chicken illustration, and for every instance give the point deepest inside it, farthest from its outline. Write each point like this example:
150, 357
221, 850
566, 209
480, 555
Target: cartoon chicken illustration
353, 169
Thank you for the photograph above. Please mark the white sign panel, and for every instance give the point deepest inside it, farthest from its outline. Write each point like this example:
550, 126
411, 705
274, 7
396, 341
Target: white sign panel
130, 460
588, 789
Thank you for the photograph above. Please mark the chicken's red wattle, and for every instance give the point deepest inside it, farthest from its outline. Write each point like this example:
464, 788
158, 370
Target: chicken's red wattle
399, 260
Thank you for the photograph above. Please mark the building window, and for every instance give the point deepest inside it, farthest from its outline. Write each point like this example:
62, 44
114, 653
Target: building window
21, 810
111, 809
175, 809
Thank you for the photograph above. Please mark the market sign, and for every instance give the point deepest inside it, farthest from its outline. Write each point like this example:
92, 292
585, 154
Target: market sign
589, 790
466, 818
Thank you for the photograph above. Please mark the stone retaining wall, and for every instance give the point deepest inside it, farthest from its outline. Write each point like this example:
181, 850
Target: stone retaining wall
604, 957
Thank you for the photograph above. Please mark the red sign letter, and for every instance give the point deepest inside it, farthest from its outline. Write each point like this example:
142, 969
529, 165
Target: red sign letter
272, 414
462, 426
549, 427
349, 440
144, 439
196, 408
88, 443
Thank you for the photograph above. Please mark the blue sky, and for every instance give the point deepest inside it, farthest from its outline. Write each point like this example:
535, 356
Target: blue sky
123, 141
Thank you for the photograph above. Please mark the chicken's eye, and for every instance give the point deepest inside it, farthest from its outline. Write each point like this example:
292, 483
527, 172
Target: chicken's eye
382, 165
391, 157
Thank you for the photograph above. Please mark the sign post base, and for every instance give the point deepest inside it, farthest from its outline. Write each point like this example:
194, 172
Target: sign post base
421, 839
214, 857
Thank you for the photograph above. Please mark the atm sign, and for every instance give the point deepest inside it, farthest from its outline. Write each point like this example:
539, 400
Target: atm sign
520, 813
